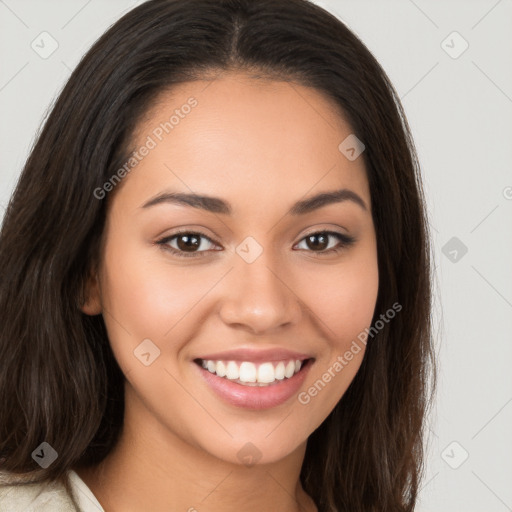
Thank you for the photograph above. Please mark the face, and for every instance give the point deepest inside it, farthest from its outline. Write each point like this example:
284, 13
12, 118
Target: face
260, 276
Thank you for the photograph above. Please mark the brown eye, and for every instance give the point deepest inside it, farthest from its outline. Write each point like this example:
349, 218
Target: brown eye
319, 242
187, 244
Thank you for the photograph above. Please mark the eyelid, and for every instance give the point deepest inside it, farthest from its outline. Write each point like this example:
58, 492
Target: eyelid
165, 241
345, 241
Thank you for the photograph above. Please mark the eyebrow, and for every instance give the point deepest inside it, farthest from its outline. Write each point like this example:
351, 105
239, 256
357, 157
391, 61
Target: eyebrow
218, 205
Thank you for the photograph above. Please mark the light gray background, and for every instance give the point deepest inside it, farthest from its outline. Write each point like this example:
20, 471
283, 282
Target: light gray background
460, 111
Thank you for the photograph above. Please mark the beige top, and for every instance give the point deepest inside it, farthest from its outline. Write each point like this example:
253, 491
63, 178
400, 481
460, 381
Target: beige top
48, 497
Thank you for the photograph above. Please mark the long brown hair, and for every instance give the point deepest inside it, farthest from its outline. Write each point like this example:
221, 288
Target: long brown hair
59, 381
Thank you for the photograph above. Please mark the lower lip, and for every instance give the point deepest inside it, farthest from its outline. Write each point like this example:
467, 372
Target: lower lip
255, 397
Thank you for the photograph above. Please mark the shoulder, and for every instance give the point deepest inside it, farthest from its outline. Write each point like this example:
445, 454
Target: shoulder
33, 497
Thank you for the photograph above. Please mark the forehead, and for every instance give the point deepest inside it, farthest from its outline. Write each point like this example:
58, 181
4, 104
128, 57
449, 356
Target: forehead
259, 140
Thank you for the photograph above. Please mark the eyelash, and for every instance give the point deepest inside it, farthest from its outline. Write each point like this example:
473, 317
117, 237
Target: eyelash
345, 242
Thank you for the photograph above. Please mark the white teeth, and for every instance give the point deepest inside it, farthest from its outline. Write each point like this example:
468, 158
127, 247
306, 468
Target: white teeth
249, 373
266, 373
290, 369
279, 371
231, 371
220, 369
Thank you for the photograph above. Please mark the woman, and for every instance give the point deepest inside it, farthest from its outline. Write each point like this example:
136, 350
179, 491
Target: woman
216, 283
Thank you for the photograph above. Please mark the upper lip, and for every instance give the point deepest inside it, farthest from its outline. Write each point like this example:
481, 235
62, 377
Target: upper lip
256, 355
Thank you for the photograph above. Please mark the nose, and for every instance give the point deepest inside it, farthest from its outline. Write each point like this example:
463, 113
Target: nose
260, 297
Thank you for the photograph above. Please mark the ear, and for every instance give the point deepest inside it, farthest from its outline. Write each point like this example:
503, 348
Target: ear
91, 304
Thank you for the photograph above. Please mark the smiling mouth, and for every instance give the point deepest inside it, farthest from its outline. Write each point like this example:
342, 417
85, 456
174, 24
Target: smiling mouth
261, 374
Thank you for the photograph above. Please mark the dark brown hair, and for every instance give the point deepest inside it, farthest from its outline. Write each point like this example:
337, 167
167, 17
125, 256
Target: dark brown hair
59, 381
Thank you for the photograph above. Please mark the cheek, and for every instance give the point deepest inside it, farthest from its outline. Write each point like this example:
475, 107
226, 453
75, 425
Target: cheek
144, 298
344, 297
343, 300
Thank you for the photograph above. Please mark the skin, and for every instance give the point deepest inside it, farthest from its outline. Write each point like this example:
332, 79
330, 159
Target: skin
261, 145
